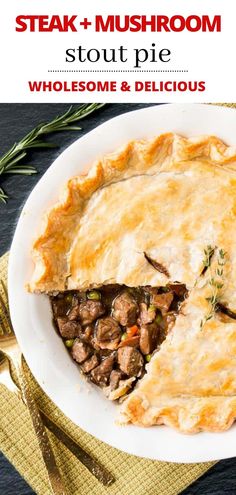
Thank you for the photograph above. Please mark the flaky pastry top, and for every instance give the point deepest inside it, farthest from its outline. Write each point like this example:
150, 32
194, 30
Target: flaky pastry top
168, 197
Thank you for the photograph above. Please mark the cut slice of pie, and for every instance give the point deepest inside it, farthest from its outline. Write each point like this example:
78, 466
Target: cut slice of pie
191, 382
155, 214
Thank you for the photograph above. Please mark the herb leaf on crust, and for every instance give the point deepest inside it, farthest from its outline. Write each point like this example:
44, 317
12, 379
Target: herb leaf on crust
158, 266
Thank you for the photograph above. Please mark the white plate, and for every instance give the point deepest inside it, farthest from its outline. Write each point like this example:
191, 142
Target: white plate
43, 349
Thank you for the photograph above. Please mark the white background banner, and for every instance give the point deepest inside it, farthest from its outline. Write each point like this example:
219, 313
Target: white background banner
165, 53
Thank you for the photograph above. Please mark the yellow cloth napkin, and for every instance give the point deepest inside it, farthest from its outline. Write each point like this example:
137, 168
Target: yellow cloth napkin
134, 476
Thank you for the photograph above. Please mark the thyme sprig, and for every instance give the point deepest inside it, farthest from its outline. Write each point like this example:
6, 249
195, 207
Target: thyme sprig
216, 283
11, 162
208, 252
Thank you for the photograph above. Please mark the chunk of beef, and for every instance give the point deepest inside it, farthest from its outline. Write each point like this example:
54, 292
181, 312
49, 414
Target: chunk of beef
178, 289
108, 333
115, 377
68, 329
86, 333
130, 361
149, 338
130, 341
101, 374
90, 364
125, 309
162, 301
81, 351
90, 311
147, 314
74, 313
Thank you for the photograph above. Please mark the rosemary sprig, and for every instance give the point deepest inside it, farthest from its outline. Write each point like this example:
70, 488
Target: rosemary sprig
11, 162
3, 196
216, 282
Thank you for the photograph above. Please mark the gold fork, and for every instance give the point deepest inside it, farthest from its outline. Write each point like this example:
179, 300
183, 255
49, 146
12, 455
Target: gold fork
9, 349
5, 377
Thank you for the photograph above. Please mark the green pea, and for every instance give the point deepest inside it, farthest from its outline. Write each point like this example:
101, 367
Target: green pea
69, 297
148, 357
94, 295
158, 318
69, 343
124, 336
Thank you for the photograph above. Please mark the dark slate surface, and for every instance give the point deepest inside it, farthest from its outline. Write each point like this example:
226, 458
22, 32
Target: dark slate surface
15, 122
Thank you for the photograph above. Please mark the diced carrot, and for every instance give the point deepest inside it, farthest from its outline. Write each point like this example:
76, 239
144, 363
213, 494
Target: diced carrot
131, 331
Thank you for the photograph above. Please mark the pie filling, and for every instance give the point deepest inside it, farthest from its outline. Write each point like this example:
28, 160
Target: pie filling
113, 331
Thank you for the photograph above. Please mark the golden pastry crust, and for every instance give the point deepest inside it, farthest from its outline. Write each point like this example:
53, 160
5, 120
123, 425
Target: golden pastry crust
188, 415
95, 234
169, 197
